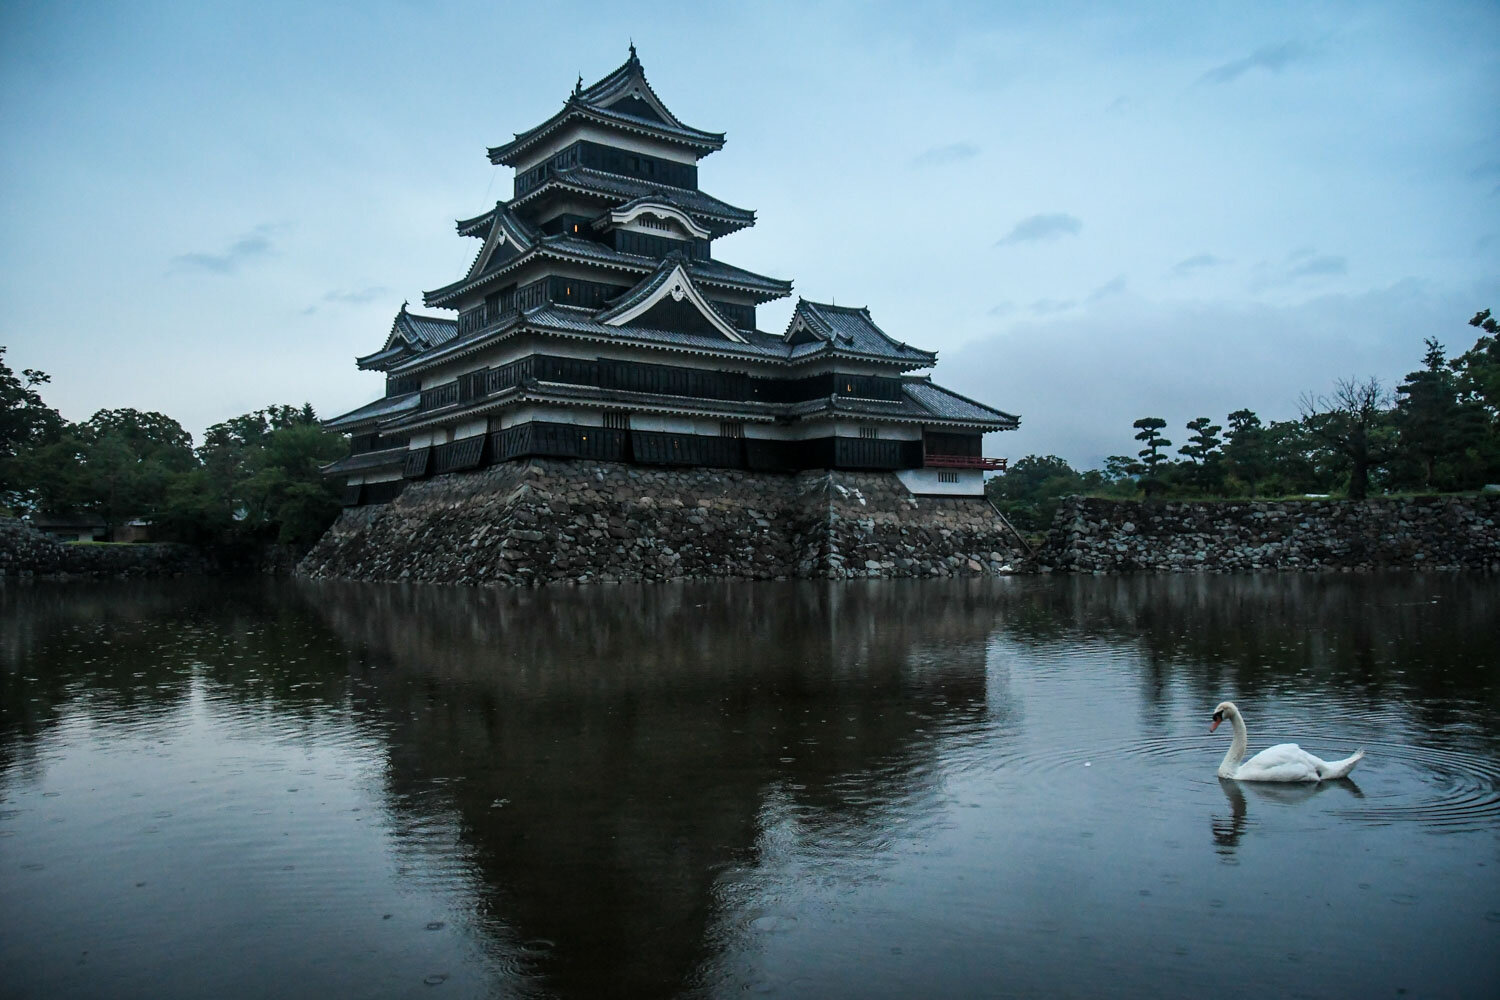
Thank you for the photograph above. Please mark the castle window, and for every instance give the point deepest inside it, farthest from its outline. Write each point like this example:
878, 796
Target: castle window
617, 421
732, 429
869, 433
947, 477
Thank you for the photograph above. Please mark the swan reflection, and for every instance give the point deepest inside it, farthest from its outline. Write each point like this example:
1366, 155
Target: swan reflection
1227, 830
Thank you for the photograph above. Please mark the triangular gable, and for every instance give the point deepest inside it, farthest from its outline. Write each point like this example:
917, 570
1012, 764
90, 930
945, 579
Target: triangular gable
508, 238
806, 326
626, 91
670, 287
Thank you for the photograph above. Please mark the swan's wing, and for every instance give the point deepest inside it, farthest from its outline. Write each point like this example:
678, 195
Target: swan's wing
1284, 762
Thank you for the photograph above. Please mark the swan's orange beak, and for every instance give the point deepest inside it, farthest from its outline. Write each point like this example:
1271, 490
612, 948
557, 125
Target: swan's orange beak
1215, 724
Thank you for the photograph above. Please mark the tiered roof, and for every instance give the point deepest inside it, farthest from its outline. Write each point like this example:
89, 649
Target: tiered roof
568, 248
719, 217
668, 304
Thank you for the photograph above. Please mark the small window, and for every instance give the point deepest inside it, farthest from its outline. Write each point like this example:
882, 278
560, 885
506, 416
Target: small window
869, 433
617, 421
947, 477
732, 429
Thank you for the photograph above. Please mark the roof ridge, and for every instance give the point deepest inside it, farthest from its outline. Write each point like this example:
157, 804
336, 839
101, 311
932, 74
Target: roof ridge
838, 308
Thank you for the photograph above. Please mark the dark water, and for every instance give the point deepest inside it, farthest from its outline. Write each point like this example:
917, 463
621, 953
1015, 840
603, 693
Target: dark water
989, 788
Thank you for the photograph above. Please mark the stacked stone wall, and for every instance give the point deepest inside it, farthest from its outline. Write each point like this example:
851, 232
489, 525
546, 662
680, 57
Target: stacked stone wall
559, 521
26, 553
1432, 533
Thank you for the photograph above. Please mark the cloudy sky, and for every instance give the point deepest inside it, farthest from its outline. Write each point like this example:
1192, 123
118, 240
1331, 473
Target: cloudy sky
1093, 215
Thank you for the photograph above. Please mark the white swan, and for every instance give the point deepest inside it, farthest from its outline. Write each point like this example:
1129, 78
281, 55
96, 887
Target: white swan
1284, 762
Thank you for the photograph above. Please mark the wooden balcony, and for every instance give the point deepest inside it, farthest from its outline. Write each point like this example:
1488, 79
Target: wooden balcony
963, 462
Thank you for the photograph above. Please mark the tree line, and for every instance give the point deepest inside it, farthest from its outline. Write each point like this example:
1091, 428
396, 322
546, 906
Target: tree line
1438, 431
253, 480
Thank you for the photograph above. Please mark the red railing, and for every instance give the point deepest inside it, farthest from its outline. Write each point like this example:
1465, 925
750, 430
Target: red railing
963, 462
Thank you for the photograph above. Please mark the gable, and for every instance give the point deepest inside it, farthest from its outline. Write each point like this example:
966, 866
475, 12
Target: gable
801, 333
670, 286
679, 315
634, 105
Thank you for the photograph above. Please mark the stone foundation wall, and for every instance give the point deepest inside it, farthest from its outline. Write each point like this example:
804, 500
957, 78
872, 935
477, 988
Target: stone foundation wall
26, 553
1435, 533
559, 521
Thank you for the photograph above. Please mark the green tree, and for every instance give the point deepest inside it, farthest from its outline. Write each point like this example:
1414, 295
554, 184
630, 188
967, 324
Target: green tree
1438, 430
287, 492
1298, 462
1478, 374
1151, 458
1029, 491
1245, 449
1202, 451
129, 460
26, 423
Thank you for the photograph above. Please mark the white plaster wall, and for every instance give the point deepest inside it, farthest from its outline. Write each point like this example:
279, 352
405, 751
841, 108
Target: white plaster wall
925, 481
673, 425
380, 476
549, 414
471, 428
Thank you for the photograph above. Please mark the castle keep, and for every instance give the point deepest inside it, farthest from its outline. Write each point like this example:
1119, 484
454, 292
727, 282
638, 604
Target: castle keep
596, 323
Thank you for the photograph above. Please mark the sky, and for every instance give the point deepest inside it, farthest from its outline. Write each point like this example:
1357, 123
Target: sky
1093, 212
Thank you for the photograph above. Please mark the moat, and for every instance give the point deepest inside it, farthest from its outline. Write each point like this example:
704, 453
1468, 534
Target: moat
981, 787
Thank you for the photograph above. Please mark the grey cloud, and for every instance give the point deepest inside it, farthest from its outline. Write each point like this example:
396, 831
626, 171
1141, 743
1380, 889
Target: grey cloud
1002, 309
1315, 267
1114, 286
1188, 374
358, 298
1035, 228
951, 153
1046, 307
1302, 263
1197, 262
1487, 172
253, 246
1271, 58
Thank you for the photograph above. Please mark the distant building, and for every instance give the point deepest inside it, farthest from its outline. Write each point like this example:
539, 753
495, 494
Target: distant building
596, 323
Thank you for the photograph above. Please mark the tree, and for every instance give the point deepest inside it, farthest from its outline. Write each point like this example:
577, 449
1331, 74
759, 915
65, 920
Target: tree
26, 423
1353, 420
1029, 490
1437, 428
1151, 457
1202, 452
1120, 467
1245, 449
287, 491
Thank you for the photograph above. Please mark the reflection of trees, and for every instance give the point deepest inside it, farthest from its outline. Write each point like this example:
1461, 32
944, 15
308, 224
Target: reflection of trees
609, 750
131, 652
1366, 635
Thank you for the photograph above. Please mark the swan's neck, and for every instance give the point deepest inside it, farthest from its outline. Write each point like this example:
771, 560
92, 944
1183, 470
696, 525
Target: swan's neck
1237, 746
